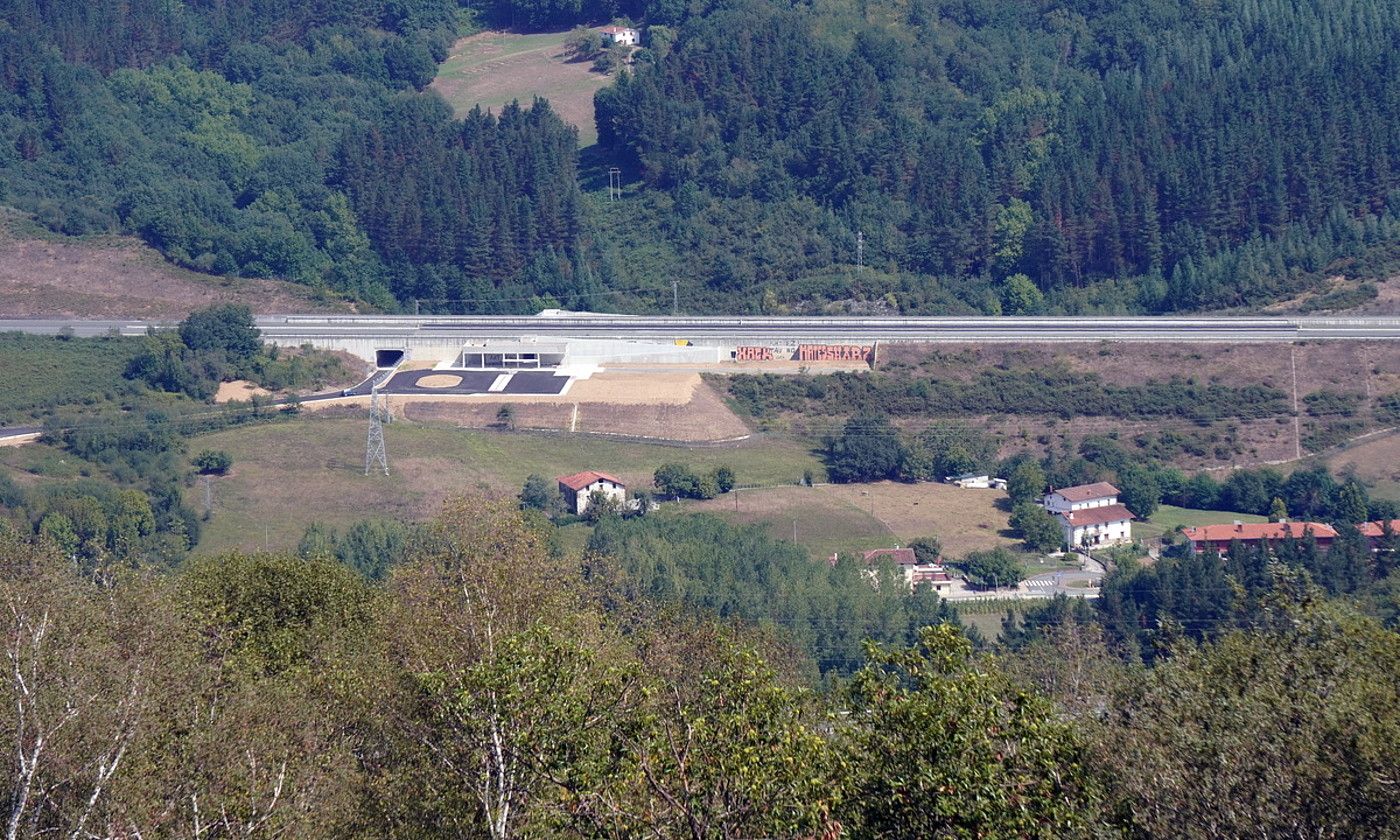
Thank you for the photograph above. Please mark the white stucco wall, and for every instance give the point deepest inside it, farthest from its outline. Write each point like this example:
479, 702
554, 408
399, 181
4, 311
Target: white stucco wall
608, 488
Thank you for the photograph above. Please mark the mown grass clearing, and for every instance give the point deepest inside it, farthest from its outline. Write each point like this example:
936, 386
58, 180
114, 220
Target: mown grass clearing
1169, 517
835, 518
491, 69
822, 523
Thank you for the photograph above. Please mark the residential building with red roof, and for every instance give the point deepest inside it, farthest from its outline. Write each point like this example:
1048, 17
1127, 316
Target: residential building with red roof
928, 574
1090, 515
578, 489
1220, 537
1377, 532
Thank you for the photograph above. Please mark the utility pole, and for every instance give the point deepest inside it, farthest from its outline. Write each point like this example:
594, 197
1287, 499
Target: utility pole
675, 298
614, 183
208, 498
860, 251
374, 444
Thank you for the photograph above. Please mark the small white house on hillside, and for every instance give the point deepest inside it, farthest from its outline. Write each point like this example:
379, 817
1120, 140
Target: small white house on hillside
578, 489
979, 481
1090, 515
624, 35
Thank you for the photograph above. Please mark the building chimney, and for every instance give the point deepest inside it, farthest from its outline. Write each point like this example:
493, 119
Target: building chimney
1239, 526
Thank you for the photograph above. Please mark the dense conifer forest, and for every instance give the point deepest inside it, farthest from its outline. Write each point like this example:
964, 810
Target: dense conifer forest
1151, 156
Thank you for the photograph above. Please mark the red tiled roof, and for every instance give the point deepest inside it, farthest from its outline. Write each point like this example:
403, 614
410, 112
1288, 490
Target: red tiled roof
901, 556
1098, 515
615, 30
1377, 529
1254, 531
1085, 492
578, 481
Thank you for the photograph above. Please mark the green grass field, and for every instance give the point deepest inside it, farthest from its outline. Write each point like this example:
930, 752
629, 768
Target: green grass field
1168, 517
43, 373
287, 475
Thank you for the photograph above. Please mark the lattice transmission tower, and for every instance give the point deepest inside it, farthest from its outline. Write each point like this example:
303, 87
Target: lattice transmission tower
374, 444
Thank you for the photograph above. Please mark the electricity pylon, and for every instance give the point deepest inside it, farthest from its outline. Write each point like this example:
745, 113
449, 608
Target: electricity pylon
374, 444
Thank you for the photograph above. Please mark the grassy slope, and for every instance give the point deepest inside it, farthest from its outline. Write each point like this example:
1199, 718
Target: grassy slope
491, 69
42, 372
286, 476
1376, 461
1168, 517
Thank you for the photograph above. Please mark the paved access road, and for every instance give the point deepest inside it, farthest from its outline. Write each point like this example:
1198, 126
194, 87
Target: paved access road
294, 328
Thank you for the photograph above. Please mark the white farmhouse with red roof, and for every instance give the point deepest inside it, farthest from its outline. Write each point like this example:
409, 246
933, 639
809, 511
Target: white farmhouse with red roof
625, 35
1090, 515
578, 489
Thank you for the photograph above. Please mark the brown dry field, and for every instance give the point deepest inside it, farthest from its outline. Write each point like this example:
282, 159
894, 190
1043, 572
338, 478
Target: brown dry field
1340, 365
119, 277
617, 404
823, 524
1261, 441
964, 520
1376, 461
1368, 369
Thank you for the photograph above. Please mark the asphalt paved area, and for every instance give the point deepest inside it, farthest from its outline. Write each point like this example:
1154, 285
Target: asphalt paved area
474, 382
535, 382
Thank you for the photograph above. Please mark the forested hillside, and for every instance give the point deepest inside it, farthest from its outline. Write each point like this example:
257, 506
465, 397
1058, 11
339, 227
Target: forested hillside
1202, 155
1153, 155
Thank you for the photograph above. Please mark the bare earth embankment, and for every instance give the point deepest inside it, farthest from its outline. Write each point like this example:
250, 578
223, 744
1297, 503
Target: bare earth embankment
119, 277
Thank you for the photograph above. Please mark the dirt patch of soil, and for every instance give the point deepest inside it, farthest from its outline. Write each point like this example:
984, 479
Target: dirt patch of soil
239, 389
441, 380
118, 277
631, 412
659, 388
